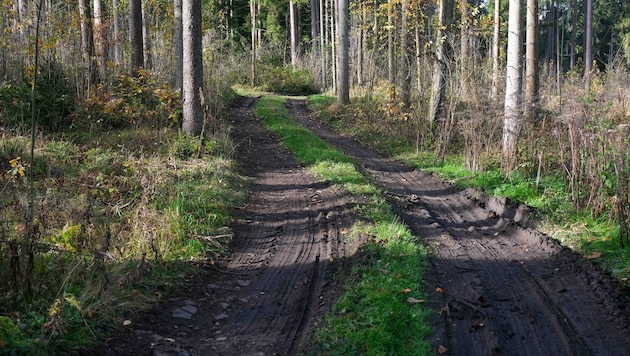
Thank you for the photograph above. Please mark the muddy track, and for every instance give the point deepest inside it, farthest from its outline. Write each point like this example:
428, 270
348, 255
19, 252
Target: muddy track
266, 295
501, 287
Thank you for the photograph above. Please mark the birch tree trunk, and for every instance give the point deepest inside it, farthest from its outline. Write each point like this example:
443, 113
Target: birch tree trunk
495, 50
343, 74
513, 87
252, 15
193, 67
574, 17
531, 58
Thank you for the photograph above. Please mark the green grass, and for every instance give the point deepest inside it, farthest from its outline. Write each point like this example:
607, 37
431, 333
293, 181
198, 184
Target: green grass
373, 316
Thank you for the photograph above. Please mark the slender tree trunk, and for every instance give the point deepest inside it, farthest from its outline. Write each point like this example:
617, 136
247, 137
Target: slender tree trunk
100, 39
252, 13
293, 33
343, 74
135, 35
193, 67
391, 70
333, 47
87, 42
531, 57
315, 21
146, 37
322, 43
464, 46
178, 43
574, 18
438, 90
118, 56
588, 41
361, 39
405, 65
513, 85
495, 50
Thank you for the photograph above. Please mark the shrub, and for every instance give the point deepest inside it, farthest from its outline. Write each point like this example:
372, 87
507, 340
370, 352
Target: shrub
54, 99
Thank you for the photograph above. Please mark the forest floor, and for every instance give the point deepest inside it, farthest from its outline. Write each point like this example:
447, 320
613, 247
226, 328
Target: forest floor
499, 287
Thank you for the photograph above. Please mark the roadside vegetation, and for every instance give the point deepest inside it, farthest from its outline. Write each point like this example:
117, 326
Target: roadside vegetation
381, 309
577, 188
123, 208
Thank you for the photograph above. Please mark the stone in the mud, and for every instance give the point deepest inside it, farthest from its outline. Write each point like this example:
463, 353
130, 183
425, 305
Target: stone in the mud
221, 317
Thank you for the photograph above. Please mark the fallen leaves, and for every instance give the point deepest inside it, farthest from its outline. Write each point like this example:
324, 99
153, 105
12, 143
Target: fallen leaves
594, 255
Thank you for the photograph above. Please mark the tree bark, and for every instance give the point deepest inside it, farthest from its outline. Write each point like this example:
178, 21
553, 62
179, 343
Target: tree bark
513, 86
343, 74
178, 43
252, 14
315, 21
87, 42
117, 39
588, 41
193, 67
146, 37
391, 64
405, 65
293, 24
135, 36
495, 50
438, 90
464, 46
531, 58
574, 17
100, 39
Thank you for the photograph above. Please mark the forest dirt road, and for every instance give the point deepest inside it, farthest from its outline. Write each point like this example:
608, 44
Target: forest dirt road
498, 286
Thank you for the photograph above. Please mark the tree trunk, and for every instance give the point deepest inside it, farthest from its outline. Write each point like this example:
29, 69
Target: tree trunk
574, 18
87, 42
252, 13
343, 74
464, 46
588, 41
293, 23
178, 43
135, 36
405, 65
146, 37
100, 39
531, 57
513, 85
438, 90
495, 50
391, 70
117, 39
315, 21
193, 67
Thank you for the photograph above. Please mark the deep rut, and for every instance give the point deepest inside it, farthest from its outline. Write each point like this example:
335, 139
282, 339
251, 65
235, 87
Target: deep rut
501, 287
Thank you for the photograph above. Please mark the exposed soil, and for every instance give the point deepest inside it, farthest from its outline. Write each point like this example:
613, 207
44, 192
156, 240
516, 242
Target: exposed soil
499, 287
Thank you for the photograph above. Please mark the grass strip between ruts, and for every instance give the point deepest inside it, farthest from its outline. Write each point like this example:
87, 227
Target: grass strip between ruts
382, 309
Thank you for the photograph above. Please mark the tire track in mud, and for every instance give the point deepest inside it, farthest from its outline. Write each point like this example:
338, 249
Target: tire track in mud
265, 296
501, 288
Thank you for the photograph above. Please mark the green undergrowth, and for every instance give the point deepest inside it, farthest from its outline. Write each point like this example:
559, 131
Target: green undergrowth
123, 215
381, 310
596, 236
